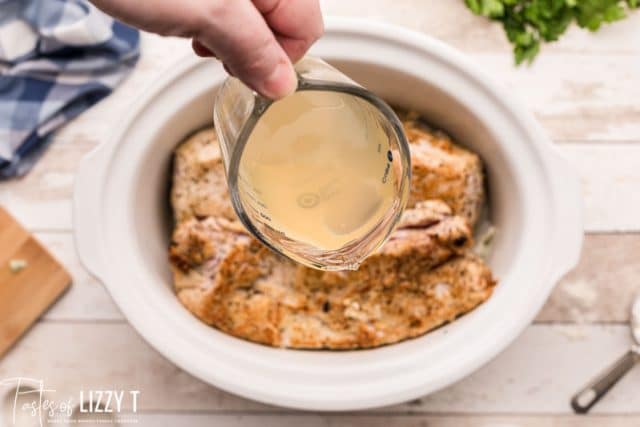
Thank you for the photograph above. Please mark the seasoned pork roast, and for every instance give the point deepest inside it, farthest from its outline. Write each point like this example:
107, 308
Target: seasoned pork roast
421, 278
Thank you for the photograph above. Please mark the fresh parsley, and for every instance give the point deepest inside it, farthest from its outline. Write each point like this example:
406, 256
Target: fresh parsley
528, 23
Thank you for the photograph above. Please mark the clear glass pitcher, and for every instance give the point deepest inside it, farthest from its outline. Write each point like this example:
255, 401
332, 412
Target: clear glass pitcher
321, 176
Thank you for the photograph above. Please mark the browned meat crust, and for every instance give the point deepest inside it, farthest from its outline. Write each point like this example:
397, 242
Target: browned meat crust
421, 278
199, 185
442, 170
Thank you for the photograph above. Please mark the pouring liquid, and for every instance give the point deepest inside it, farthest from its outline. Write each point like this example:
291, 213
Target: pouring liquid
318, 168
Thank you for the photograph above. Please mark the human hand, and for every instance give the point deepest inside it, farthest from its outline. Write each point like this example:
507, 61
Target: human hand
257, 40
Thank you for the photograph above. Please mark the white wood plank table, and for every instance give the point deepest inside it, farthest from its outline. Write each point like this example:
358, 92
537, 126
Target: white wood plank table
585, 90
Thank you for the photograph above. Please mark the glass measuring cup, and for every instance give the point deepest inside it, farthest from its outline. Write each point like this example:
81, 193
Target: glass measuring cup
321, 176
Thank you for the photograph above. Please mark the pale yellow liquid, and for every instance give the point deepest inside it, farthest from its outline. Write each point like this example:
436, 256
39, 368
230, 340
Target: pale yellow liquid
317, 168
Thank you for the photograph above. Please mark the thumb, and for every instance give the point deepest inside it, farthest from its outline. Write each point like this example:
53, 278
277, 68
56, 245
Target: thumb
242, 40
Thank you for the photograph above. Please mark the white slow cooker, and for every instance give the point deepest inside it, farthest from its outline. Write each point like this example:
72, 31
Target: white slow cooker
122, 225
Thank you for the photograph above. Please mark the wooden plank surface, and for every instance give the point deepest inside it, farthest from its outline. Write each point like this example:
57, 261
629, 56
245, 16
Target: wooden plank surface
535, 375
270, 420
451, 22
600, 289
585, 98
87, 299
584, 90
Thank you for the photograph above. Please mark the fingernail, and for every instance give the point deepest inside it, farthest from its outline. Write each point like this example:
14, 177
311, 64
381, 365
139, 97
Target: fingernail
281, 82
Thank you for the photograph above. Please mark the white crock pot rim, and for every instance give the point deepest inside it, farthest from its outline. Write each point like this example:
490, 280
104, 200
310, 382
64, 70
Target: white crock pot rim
88, 237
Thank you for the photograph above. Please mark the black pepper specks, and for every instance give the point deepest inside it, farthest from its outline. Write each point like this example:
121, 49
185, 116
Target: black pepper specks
326, 306
460, 241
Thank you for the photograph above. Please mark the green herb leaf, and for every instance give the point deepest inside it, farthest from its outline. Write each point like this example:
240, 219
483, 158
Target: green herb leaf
528, 23
488, 8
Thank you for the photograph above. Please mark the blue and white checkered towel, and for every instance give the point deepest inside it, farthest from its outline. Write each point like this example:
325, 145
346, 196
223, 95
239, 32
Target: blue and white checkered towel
57, 58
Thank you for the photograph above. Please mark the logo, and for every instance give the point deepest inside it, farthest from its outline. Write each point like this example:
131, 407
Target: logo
28, 400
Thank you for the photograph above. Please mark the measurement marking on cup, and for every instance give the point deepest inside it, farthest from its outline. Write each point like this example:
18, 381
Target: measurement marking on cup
308, 200
386, 173
266, 217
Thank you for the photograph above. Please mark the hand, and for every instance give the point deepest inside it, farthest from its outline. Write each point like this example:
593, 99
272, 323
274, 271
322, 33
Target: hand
257, 40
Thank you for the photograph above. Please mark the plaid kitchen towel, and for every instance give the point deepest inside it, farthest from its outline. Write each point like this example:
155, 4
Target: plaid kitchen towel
57, 58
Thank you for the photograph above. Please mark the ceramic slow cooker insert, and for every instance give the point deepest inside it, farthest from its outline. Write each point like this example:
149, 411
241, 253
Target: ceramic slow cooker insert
122, 225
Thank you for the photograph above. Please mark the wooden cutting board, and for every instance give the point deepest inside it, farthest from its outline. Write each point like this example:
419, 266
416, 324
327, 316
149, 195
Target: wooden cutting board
25, 294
